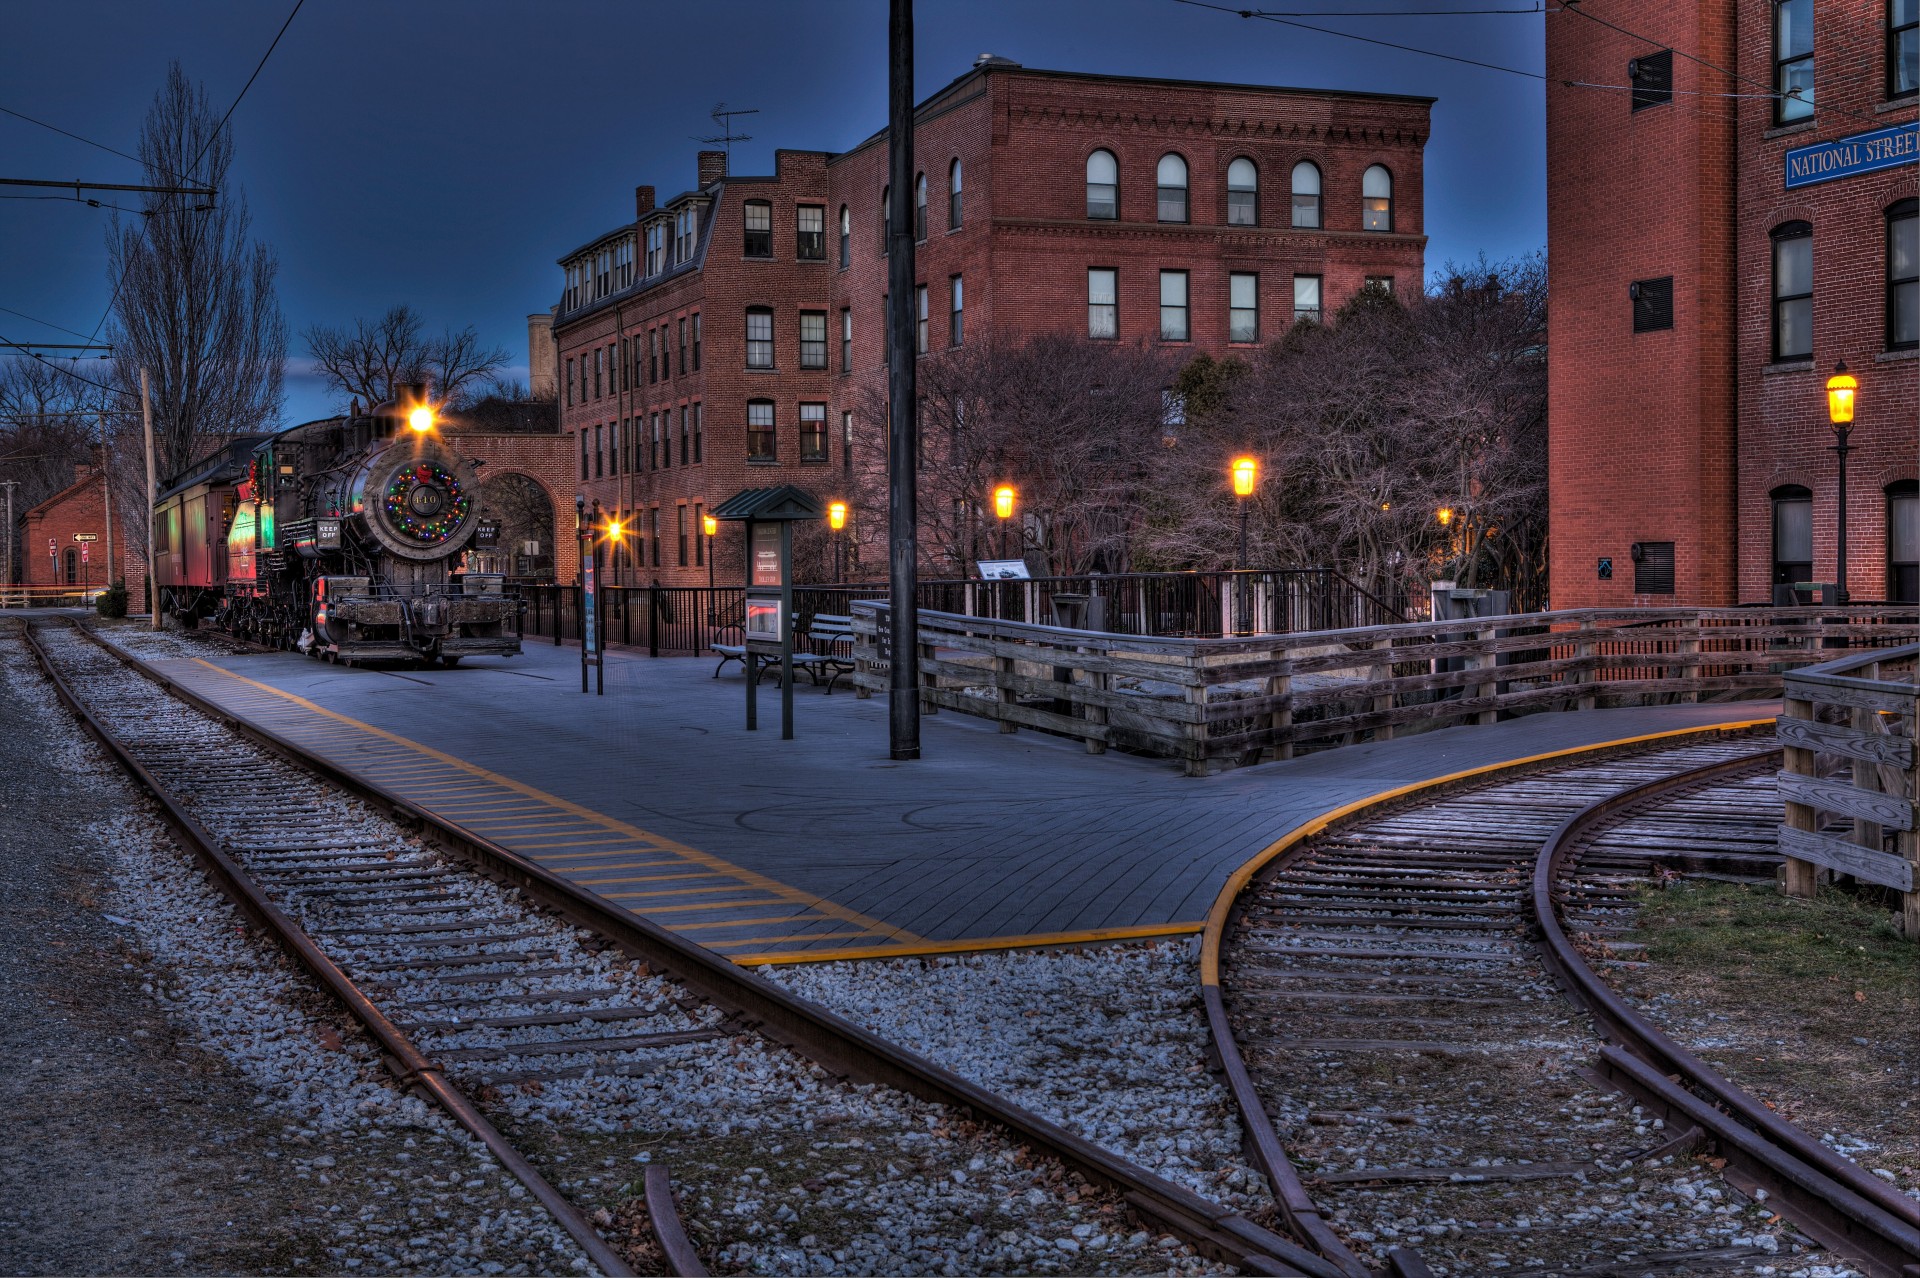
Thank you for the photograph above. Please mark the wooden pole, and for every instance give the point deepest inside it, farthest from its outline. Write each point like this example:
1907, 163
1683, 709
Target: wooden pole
146, 425
106, 494
903, 712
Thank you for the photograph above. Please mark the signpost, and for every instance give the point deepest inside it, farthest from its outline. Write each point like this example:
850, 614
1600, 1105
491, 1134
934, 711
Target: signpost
769, 514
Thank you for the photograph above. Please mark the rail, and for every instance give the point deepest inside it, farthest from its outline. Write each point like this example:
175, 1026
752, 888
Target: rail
50, 596
1855, 715
1215, 702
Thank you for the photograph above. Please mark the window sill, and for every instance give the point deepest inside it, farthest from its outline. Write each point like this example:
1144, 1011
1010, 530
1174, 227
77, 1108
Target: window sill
761, 368
1907, 103
763, 461
813, 368
1896, 356
1788, 130
1787, 366
813, 461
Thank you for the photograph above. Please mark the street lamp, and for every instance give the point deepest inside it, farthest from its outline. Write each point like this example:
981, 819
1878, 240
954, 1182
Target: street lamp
1840, 392
709, 526
1003, 499
837, 520
1245, 473
1445, 516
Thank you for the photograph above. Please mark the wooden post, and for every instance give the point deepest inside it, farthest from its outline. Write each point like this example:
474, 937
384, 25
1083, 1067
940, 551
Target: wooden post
1094, 714
1908, 842
1380, 672
146, 427
1799, 879
1005, 668
1586, 650
1196, 734
1485, 660
1691, 669
928, 679
1280, 722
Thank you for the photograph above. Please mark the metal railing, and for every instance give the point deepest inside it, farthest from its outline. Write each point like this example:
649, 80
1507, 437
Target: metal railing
50, 596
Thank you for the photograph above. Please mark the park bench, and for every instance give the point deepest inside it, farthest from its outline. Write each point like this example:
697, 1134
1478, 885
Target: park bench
827, 651
721, 621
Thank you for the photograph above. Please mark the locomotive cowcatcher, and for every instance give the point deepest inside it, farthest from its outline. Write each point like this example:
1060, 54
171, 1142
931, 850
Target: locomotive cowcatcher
340, 538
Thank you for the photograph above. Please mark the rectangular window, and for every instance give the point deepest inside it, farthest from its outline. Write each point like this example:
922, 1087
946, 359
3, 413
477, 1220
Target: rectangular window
666, 438
956, 328
810, 233
813, 432
633, 444
583, 453
683, 346
1651, 76
613, 448
1653, 568
697, 450
1903, 275
680, 518
699, 535
686, 436
599, 369
653, 355
599, 454
569, 383
1652, 304
1793, 295
1243, 308
1381, 284
920, 319
1903, 48
1103, 303
1173, 306
625, 384
759, 228
1306, 298
759, 338
846, 339
760, 430
846, 442
653, 441
696, 341
1903, 544
1792, 60
653, 533
813, 339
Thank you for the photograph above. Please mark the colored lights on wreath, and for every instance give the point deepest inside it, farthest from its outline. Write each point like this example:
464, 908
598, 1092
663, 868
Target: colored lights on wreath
426, 503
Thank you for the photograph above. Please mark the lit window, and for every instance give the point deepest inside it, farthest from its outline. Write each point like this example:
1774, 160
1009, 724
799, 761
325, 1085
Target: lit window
1792, 60
1103, 308
1793, 291
1306, 194
760, 430
1903, 275
1243, 193
953, 196
1243, 308
1173, 306
1103, 185
813, 339
1376, 199
810, 233
813, 432
759, 228
759, 338
1170, 181
1306, 298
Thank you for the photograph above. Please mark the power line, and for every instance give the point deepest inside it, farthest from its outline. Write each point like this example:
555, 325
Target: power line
74, 199
88, 141
1382, 13
44, 323
112, 390
1348, 35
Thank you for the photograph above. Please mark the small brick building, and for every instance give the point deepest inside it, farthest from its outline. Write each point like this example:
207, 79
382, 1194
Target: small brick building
733, 336
1722, 231
64, 539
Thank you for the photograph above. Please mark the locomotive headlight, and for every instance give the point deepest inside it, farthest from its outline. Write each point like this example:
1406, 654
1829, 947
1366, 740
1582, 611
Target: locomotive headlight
421, 419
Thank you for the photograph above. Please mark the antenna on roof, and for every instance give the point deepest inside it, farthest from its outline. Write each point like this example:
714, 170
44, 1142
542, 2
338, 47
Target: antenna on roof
724, 118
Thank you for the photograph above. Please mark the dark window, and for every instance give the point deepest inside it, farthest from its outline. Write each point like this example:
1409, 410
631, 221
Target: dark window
759, 228
1903, 48
1903, 542
683, 346
1792, 535
759, 337
1376, 199
680, 520
599, 367
846, 339
956, 317
953, 196
686, 453
846, 236
653, 533
653, 441
1793, 291
1653, 568
1306, 194
653, 355
1792, 60
696, 341
73, 566
666, 438
569, 383
813, 432
920, 207
810, 233
1170, 182
1103, 185
584, 463
1243, 193
813, 339
760, 430
613, 448
1903, 274
699, 537
599, 453
886, 220
696, 431
1651, 76
1652, 304
846, 442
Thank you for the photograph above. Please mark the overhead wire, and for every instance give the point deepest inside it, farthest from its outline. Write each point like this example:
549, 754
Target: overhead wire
43, 323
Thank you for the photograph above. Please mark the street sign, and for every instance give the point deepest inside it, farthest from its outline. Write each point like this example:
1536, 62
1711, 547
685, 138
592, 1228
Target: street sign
86, 553
86, 537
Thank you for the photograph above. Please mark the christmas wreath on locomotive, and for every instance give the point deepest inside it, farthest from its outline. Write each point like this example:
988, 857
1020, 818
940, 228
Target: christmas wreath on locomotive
340, 538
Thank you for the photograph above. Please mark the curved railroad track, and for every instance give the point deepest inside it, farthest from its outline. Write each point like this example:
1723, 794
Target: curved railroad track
506, 993
1390, 993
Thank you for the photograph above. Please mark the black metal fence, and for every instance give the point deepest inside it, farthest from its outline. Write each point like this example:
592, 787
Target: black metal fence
673, 620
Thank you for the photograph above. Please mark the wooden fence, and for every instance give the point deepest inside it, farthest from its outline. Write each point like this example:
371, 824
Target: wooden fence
1848, 749
1215, 702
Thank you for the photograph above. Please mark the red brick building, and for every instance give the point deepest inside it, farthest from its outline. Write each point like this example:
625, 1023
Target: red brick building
1723, 229
733, 336
64, 539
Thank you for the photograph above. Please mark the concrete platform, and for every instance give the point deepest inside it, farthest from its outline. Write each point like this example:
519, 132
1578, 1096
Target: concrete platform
656, 797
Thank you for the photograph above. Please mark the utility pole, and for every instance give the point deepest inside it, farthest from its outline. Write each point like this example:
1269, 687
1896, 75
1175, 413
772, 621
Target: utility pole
903, 684
6, 573
106, 494
146, 424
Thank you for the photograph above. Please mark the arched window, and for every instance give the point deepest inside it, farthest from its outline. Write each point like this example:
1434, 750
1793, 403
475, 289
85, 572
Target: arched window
73, 564
1306, 194
1103, 185
1792, 291
1792, 534
1376, 199
759, 228
1903, 275
920, 207
1170, 179
846, 236
953, 197
1903, 542
1243, 193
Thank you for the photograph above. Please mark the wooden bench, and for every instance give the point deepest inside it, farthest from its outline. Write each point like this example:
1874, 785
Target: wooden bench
828, 650
719, 622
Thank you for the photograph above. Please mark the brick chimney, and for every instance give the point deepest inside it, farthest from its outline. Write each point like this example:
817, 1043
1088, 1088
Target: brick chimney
642, 201
713, 167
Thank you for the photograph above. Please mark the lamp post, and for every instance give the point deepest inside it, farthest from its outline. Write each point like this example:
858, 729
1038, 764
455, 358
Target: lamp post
709, 526
837, 520
1840, 393
1245, 473
1003, 499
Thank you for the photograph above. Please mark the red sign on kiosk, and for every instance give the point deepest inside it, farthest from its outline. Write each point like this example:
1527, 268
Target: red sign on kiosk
766, 555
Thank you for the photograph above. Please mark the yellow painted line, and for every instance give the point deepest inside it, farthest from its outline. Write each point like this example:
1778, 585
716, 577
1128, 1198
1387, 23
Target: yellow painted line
693, 891
700, 907
752, 922
1035, 940
803, 936
592, 860
646, 878
1216, 927
804, 900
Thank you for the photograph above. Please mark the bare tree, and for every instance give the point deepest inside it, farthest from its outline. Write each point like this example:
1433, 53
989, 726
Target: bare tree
368, 359
194, 297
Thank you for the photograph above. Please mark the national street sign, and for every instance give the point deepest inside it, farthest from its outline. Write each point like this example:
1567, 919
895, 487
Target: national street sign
1847, 157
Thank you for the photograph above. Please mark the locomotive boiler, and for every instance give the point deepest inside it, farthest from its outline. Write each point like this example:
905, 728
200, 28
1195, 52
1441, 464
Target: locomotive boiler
340, 538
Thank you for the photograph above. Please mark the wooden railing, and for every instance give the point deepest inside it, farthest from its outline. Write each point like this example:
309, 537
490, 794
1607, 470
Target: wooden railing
1215, 702
1848, 749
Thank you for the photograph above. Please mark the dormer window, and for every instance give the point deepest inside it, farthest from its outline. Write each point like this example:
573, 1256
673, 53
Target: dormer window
684, 223
656, 248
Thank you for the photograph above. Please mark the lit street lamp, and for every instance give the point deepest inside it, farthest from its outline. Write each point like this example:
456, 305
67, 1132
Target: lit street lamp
1245, 473
709, 526
837, 520
1003, 498
1840, 391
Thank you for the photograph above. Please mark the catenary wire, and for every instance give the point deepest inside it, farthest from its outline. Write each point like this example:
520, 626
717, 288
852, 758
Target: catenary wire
34, 319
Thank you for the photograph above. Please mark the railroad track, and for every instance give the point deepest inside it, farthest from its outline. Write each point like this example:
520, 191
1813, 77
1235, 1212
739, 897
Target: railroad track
1394, 993
514, 998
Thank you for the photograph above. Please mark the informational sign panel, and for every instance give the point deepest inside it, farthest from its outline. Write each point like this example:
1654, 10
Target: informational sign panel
589, 610
1850, 156
766, 554
763, 620
1003, 569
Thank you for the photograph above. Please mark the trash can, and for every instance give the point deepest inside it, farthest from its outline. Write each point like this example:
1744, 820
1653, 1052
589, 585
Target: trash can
1076, 611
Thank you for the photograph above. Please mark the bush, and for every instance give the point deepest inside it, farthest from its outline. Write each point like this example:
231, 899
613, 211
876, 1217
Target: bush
112, 601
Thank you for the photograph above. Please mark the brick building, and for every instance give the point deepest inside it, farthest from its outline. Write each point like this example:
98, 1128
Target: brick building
64, 539
734, 336
1721, 233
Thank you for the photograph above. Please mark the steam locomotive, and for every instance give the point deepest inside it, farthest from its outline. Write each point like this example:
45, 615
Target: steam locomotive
339, 538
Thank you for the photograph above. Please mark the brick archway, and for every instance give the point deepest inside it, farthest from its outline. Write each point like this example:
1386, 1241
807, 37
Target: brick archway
543, 459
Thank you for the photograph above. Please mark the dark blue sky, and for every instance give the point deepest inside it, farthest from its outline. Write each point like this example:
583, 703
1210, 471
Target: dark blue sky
444, 154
